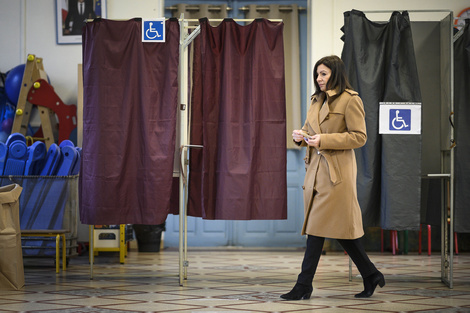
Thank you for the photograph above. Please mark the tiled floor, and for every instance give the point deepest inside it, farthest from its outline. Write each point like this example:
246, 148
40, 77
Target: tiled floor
235, 280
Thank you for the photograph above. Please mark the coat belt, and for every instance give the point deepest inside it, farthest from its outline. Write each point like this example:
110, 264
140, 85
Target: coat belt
333, 169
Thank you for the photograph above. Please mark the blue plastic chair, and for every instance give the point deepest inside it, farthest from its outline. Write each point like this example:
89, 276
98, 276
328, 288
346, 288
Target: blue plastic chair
52, 160
36, 158
16, 158
3, 156
68, 159
65, 143
14, 137
76, 167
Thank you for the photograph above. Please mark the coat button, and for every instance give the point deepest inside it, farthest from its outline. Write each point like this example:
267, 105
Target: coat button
303, 187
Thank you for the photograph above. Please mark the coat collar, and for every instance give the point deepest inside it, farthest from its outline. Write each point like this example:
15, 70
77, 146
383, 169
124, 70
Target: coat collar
322, 110
329, 94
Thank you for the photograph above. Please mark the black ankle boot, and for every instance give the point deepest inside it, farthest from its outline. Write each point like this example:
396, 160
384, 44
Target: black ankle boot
299, 292
370, 283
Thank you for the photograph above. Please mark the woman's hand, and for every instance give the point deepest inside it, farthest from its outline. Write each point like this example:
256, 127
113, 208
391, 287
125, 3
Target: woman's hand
297, 135
314, 141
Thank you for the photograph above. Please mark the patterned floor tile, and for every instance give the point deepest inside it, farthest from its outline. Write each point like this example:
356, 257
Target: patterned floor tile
236, 280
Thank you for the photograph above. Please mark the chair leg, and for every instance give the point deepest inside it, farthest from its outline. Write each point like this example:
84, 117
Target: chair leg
405, 242
381, 240
456, 244
394, 242
429, 239
419, 238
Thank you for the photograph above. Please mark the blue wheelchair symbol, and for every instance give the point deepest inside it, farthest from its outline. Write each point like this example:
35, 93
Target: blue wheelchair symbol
153, 31
400, 119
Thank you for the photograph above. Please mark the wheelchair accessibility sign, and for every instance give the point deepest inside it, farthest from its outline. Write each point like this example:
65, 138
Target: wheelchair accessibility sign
400, 118
153, 30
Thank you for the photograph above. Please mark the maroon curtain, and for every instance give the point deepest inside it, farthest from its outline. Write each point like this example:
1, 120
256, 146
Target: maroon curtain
238, 114
129, 123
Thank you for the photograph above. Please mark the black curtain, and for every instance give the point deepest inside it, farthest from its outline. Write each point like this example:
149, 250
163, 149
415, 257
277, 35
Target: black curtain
462, 130
381, 65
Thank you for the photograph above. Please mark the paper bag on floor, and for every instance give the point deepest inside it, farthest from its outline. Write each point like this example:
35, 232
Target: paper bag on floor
11, 256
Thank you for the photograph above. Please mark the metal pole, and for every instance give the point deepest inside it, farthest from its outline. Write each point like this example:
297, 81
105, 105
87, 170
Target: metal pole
185, 40
91, 250
350, 269
451, 183
443, 232
182, 101
447, 228
410, 11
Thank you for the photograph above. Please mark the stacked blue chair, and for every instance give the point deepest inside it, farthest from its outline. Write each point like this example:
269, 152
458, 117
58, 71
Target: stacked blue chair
52, 160
36, 157
76, 167
68, 159
43, 200
17, 155
3, 156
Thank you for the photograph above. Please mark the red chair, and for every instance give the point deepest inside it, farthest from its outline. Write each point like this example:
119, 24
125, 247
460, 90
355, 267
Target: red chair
429, 240
393, 241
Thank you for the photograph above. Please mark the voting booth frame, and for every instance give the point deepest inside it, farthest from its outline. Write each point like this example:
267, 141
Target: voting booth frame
433, 41
439, 161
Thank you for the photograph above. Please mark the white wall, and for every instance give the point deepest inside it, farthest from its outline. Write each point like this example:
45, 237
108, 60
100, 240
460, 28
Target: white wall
11, 33
29, 27
327, 19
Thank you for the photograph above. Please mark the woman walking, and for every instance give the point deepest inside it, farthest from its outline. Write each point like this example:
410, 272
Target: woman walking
334, 127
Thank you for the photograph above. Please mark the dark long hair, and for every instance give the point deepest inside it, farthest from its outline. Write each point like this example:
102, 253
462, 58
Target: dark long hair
338, 79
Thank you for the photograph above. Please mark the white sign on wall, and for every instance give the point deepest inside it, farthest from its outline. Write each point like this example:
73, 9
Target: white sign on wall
153, 30
402, 118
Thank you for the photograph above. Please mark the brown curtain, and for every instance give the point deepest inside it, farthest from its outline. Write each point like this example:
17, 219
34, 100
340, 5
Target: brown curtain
193, 12
290, 17
129, 123
238, 115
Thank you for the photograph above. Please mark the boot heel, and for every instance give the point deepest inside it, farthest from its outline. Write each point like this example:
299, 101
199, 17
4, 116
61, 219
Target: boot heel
299, 292
370, 283
382, 282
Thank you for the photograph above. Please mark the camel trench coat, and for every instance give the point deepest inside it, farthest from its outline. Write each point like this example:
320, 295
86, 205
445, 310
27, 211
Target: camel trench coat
330, 194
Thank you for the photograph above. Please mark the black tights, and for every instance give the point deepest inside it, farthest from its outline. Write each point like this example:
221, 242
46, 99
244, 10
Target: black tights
353, 247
